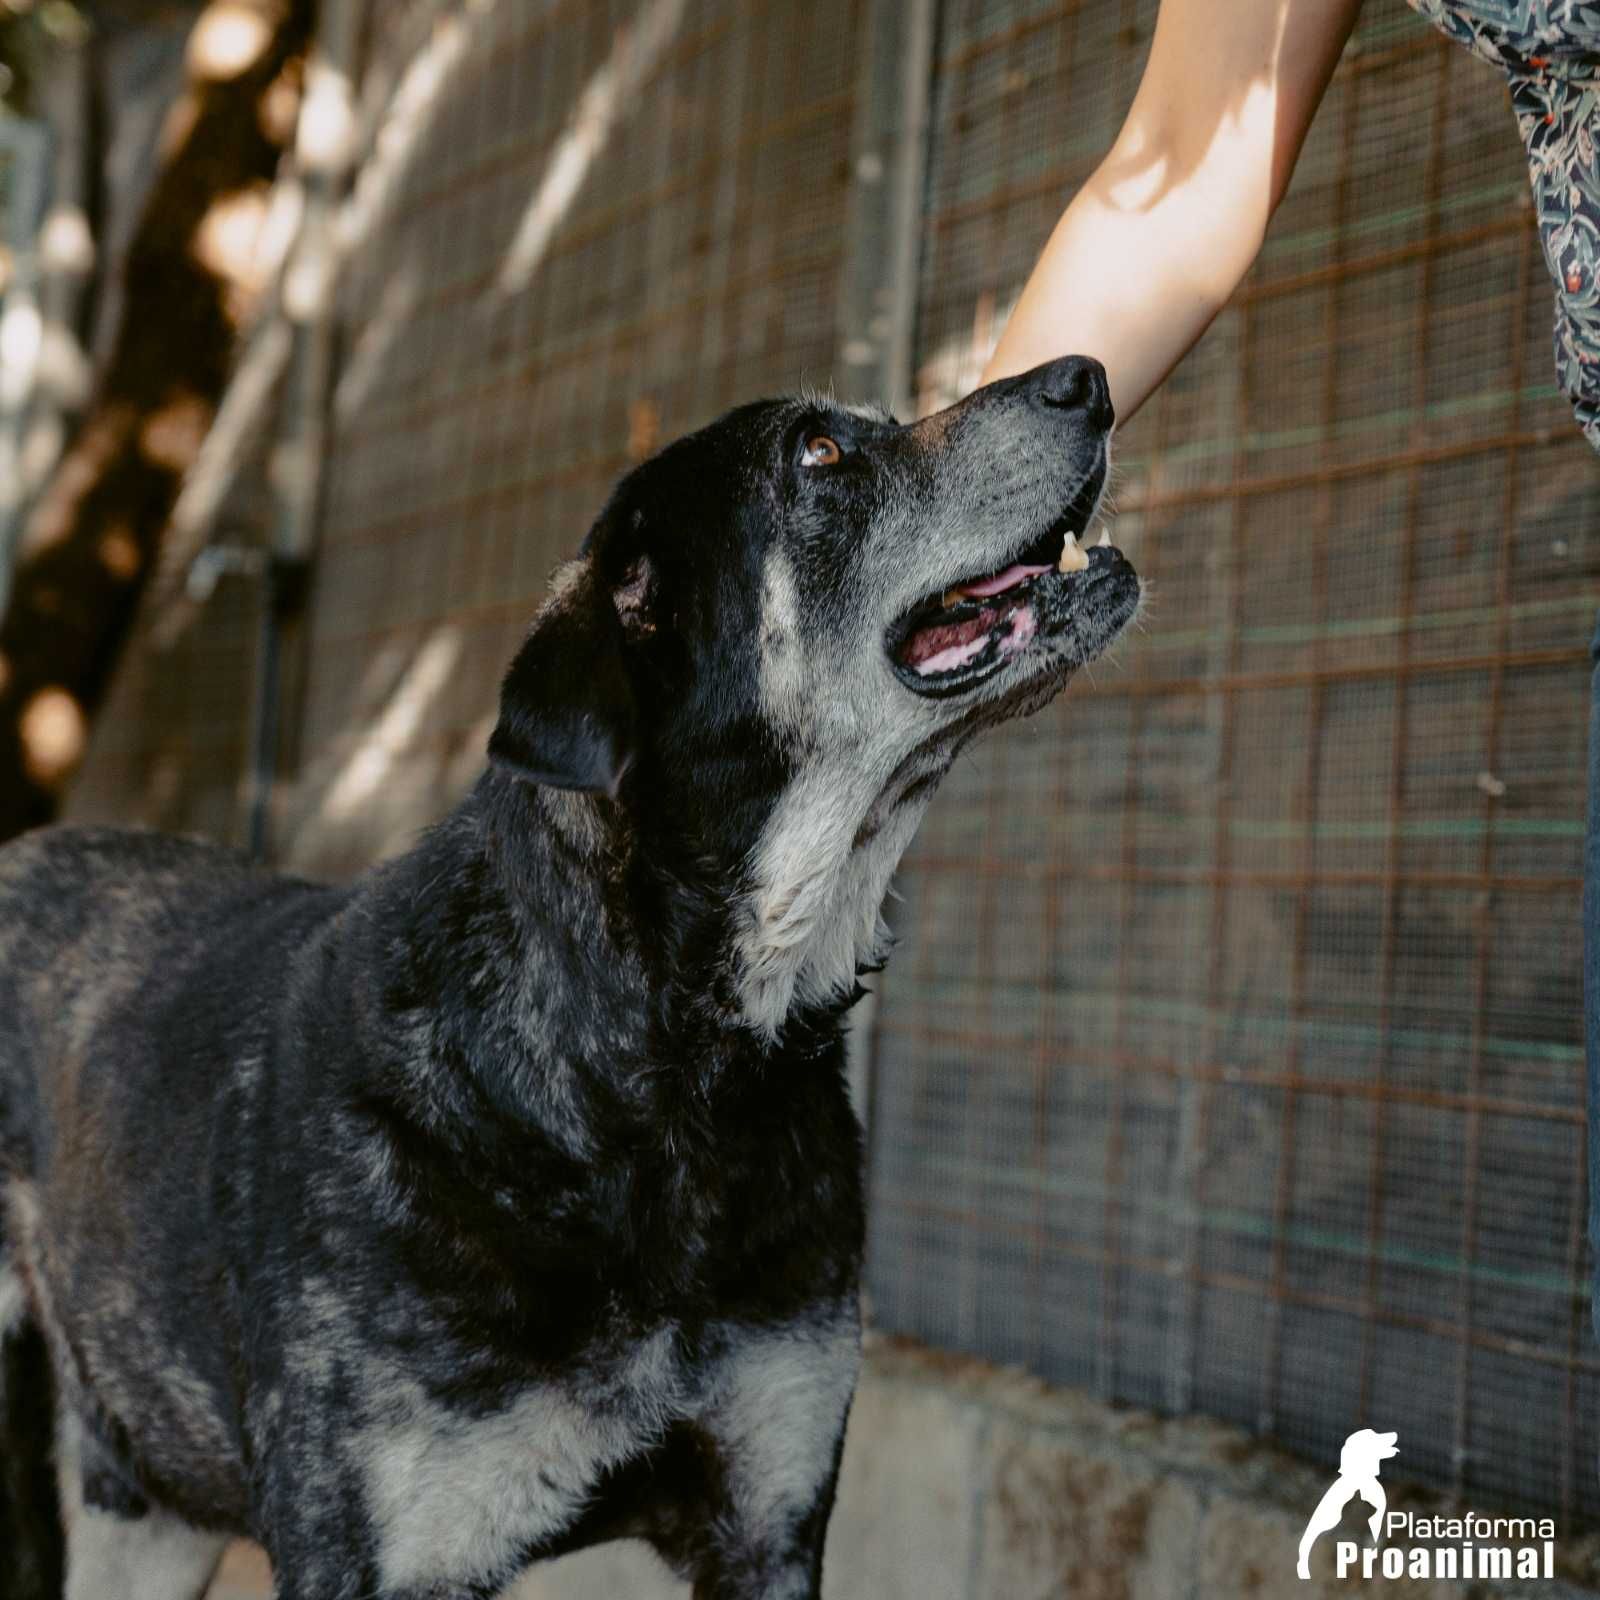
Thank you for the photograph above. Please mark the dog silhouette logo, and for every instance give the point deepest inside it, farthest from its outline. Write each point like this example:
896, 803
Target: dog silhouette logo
1358, 1475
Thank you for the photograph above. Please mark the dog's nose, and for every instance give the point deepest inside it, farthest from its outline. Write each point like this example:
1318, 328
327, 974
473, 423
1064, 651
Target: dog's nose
1078, 383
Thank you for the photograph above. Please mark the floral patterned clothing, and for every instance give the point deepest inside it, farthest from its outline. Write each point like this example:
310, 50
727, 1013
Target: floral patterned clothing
1549, 51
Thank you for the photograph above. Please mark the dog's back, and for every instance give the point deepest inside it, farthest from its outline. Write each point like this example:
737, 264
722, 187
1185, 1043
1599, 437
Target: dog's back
106, 1116
54, 937
92, 919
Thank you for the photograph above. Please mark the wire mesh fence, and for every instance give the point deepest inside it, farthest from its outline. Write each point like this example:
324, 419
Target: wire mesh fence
1231, 1061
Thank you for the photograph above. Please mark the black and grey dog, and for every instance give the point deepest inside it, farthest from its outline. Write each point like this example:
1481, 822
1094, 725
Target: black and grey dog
510, 1198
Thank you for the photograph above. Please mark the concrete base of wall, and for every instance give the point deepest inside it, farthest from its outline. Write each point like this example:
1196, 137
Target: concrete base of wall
962, 1482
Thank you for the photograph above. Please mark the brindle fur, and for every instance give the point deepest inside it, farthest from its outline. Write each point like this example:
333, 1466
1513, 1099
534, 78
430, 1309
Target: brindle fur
510, 1199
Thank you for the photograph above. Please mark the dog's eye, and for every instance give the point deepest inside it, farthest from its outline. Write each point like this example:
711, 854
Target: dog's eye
821, 451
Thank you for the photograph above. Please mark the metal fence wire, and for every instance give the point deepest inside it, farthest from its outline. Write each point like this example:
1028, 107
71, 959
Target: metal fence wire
1231, 1060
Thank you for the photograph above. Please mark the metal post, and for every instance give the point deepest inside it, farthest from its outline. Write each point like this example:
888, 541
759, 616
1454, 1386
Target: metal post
878, 283
324, 158
25, 150
883, 231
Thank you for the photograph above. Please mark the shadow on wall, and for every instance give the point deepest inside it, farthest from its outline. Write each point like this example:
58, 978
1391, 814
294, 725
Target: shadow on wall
417, 101
343, 810
367, 795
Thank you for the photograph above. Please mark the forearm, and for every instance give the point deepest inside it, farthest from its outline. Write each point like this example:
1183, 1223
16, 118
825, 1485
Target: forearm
1133, 287
1156, 241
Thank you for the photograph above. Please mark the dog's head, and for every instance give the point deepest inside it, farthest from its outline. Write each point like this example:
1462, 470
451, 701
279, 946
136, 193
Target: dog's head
783, 627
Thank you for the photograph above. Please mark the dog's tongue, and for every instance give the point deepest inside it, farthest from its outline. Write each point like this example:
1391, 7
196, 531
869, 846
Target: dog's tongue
1018, 572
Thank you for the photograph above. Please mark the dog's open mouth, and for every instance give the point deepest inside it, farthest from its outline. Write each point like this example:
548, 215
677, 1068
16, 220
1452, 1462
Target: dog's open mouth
952, 641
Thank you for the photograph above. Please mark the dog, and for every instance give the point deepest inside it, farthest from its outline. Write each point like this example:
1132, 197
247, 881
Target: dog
509, 1199
1359, 1460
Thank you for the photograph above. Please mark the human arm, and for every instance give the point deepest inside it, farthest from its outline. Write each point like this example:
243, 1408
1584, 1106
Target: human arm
1159, 237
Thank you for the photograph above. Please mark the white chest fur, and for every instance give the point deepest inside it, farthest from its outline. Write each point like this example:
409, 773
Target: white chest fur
454, 1496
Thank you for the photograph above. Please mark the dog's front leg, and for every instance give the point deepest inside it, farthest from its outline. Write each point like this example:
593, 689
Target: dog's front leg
150, 1556
118, 1543
776, 1430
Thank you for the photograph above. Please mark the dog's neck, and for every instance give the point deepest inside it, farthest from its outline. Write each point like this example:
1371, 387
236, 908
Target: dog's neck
584, 962
811, 917
552, 1015
556, 862
809, 920
645, 930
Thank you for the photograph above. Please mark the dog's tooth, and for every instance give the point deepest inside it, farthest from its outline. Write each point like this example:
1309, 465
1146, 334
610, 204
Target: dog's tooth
951, 596
1073, 558
1105, 538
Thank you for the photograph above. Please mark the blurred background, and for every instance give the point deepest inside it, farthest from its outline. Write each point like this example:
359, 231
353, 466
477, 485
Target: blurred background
1226, 1092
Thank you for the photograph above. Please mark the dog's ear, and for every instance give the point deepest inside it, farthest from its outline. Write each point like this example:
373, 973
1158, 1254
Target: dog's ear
568, 717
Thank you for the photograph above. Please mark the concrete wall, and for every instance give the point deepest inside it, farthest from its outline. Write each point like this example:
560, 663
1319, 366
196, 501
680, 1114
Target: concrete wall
965, 1482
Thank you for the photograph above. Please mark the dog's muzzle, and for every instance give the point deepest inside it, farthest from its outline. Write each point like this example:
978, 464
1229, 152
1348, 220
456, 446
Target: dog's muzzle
1055, 604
